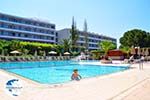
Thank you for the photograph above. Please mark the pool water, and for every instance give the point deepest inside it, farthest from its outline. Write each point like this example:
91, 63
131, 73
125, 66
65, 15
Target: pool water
52, 72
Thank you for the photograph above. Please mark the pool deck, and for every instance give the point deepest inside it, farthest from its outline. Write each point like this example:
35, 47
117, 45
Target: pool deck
133, 84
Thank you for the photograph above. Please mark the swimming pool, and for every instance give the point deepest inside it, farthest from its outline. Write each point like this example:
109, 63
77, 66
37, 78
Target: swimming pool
52, 72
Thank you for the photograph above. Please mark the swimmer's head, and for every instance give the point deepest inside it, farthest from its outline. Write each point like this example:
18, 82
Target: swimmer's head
75, 70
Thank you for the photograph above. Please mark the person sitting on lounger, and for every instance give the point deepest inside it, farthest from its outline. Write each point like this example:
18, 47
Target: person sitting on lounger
106, 60
75, 75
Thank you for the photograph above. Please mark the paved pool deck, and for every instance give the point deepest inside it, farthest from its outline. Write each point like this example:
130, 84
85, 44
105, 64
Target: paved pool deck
133, 84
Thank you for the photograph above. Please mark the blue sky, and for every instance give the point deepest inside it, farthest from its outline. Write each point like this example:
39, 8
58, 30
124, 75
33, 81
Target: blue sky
108, 17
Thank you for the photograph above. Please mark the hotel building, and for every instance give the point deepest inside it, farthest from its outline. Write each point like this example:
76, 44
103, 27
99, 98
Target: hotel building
14, 27
19, 28
93, 38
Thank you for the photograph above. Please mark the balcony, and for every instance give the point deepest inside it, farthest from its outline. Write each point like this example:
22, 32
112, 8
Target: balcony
27, 39
27, 32
27, 25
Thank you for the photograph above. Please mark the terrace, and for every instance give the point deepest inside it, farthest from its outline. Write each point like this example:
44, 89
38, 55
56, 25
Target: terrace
128, 85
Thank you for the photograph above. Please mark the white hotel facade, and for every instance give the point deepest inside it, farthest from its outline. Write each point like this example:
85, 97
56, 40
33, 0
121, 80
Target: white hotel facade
14, 27
93, 38
25, 29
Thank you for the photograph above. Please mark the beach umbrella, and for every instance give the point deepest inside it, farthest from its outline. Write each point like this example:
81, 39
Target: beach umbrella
35, 53
139, 51
142, 51
52, 52
132, 51
66, 53
15, 52
147, 52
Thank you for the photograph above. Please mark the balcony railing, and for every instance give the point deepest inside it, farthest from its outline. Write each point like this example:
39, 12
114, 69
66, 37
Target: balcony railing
27, 32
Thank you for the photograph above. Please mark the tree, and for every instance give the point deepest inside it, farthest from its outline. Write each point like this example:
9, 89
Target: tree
4, 46
15, 45
107, 45
66, 45
74, 34
136, 38
59, 49
86, 35
125, 49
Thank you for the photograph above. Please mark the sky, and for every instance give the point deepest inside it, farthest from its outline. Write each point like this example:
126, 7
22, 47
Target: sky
107, 17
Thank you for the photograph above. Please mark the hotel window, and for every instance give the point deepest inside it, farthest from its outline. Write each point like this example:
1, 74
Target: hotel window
34, 29
28, 22
37, 24
53, 27
52, 38
56, 39
34, 23
37, 30
4, 25
81, 39
47, 31
1, 16
41, 24
6, 33
28, 29
52, 33
1, 32
26, 35
48, 25
19, 27
1, 25
19, 20
35, 36
40, 30
82, 44
19, 35
10, 26
12, 34
56, 34
5, 18
48, 38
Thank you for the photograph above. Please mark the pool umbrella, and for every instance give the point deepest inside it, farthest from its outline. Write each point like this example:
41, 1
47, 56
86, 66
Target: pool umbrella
142, 51
66, 53
139, 51
52, 52
132, 51
147, 52
15, 52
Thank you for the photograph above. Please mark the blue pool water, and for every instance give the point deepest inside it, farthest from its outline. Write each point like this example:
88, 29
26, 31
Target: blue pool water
51, 72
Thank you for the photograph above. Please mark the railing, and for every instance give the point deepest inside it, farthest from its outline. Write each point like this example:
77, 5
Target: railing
32, 58
34, 62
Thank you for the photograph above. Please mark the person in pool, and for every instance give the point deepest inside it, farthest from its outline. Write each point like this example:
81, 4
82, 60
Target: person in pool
75, 75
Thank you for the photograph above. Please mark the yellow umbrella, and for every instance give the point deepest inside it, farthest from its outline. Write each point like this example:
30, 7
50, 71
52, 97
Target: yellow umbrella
15, 52
52, 52
142, 51
66, 53
147, 52
139, 51
132, 51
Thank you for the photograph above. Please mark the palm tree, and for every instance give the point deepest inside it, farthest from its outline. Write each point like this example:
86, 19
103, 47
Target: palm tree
86, 35
66, 45
107, 45
74, 34
4, 46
